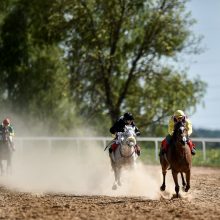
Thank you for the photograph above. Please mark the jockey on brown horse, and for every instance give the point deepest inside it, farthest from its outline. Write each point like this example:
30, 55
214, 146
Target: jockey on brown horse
178, 116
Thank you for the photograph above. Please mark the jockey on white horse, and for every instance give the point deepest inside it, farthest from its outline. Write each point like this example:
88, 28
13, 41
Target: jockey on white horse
118, 127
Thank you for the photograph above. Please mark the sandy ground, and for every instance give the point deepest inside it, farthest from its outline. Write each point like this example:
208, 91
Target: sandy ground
202, 202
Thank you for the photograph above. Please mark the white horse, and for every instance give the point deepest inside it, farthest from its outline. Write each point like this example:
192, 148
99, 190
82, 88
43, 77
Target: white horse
124, 155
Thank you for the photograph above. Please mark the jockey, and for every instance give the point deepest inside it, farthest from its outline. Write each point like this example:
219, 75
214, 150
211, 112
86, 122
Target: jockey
126, 119
178, 116
6, 125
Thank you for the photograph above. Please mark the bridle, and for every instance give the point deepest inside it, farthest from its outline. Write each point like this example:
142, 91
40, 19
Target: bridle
180, 132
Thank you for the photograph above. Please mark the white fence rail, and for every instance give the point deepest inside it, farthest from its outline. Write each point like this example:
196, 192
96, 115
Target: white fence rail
105, 140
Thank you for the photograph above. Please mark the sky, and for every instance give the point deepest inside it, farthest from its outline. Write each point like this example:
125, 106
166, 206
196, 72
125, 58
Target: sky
207, 64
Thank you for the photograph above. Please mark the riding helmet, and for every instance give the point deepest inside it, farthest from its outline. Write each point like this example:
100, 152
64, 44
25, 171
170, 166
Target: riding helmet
179, 114
6, 121
128, 116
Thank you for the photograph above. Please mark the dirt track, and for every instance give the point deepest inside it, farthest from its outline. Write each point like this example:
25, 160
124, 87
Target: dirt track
204, 204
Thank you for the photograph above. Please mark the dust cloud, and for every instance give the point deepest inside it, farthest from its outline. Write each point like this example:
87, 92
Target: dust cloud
68, 166
79, 168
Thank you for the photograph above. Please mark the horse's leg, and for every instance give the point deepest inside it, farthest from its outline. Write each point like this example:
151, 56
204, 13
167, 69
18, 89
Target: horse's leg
187, 181
119, 176
114, 187
163, 187
183, 181
175, 178
164, 166
1, 167
9, 165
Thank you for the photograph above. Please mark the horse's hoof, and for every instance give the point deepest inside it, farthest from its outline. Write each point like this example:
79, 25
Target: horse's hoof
187, 189
114, 187
162, 188
119, 183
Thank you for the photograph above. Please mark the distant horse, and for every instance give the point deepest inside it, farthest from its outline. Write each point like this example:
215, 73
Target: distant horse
178, 157
5, 151
124, 155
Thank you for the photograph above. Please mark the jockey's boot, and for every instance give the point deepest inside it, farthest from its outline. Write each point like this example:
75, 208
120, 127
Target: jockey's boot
110, 150
193, 151
192, 146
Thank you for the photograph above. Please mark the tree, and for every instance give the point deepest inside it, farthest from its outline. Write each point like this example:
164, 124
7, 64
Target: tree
115, 52
34, 79
107, 57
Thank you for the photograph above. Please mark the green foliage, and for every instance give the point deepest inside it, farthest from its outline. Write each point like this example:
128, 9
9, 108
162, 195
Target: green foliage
212, 158
105, 57
115, 49
33, 76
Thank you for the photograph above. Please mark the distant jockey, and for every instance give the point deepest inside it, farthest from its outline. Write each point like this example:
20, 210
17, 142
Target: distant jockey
119, 125
178, 116
6, 127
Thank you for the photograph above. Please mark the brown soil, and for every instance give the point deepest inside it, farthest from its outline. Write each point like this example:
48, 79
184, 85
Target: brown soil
204, 203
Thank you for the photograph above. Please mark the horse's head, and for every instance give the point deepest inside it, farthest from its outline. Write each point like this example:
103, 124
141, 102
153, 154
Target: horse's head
180, 131
129, 136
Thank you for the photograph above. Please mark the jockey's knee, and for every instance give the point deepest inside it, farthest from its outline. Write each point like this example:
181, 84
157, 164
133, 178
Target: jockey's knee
164, 146
113, 147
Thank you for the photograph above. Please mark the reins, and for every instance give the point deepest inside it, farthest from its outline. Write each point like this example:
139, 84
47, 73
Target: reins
178, 142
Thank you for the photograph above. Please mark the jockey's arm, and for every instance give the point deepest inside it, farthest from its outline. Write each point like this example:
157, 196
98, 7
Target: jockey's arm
171, 126
189, 127
137, 132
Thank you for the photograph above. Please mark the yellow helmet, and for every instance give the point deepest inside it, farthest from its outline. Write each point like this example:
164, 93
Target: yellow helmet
179, 114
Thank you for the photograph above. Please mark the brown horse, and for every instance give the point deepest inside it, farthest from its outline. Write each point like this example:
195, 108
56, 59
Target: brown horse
178, 157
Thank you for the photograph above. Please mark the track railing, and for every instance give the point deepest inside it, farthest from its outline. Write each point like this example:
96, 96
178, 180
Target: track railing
106, 140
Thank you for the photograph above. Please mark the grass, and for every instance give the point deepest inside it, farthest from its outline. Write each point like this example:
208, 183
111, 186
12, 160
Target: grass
212, 156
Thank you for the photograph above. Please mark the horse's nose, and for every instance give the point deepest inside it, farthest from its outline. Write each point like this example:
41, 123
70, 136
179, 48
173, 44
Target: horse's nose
131, 144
